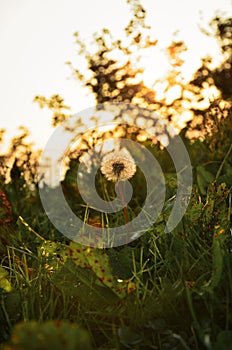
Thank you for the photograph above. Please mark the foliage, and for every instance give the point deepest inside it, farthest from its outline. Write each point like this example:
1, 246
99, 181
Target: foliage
85, 258
50, 335
220, 76
56, 104
173, 287
162, 291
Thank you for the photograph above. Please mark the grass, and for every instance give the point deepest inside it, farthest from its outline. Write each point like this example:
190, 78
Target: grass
162, 291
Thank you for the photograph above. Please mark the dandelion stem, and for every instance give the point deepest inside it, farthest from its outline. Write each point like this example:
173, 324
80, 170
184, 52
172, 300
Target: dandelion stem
124, 206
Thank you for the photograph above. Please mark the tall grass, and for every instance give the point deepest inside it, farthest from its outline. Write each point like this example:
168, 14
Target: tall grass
168, 291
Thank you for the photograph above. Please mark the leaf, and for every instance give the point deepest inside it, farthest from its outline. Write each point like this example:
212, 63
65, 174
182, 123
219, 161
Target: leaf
128, 337
81, 283
218, 255
215, 209
4, 283
13, 305
195, 211
217, 265
98, 262
53, 254
49, 335
157, 324
3, 272
209, 211
121, 262
88, 258
224, 341
204, 178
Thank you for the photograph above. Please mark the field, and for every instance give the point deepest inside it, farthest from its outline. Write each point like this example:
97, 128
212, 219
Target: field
161, 291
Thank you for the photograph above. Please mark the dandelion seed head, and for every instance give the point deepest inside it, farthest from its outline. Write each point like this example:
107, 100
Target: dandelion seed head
118, 165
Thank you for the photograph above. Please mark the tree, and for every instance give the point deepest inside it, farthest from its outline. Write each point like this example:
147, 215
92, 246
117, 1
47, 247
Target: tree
214, 121
113, 75
221, 76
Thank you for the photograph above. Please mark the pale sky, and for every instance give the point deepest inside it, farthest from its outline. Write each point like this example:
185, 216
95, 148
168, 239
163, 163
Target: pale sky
36, 38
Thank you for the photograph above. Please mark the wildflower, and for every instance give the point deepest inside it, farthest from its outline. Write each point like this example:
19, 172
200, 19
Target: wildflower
118, 165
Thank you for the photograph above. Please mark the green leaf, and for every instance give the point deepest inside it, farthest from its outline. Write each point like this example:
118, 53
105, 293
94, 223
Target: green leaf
81, 283
217, 265
13, 305
49, 335
4, 283
129, 337
194, 212
209, 210
224, 341
96, 260
204, 178
218, 255
121, 262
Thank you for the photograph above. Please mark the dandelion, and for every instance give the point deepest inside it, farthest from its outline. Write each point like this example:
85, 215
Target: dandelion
118, 165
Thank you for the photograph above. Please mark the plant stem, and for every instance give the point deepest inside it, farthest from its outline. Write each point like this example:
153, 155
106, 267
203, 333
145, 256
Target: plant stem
124, 206
223, 162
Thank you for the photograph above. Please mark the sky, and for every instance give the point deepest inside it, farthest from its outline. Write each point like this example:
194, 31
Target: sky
36, 38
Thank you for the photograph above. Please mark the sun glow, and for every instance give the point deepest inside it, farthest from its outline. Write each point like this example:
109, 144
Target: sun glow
36, 72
